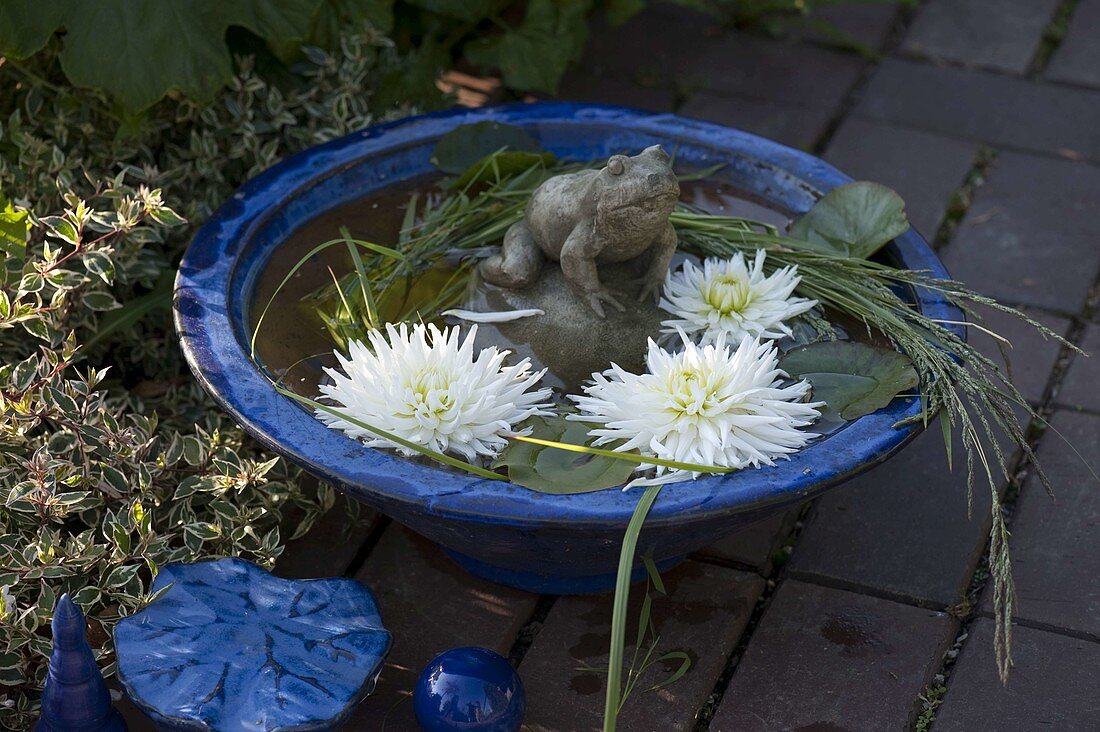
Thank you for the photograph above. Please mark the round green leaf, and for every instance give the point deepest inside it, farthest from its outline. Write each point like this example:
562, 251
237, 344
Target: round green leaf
502, 164
463, 147
855, 219
853, 379
550, 470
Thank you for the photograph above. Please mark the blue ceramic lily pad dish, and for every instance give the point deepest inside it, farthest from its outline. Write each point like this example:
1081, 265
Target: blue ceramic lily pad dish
230, 647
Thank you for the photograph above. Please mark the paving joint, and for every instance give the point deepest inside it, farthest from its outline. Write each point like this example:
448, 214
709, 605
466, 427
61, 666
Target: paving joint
530, 629
377, 529
835, 583
962, 198
714, 700
1053, 35
851, 98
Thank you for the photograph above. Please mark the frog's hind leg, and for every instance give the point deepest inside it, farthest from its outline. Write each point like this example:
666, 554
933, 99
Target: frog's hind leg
519, 262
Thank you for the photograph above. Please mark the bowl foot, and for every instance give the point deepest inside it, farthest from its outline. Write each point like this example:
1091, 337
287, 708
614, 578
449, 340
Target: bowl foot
551, 584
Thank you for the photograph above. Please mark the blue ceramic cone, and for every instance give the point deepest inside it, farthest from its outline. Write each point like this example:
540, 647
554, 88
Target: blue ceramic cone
76, 698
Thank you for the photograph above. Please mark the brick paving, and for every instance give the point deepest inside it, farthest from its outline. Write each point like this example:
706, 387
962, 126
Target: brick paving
849, 616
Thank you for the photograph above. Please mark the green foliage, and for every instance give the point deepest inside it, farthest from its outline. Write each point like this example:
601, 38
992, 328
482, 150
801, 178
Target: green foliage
109, 473
139, 50
14, 228
550, 470
853, 379
534, 55
854, 220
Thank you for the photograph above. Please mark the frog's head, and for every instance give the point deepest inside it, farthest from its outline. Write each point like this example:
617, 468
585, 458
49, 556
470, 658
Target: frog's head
643, 183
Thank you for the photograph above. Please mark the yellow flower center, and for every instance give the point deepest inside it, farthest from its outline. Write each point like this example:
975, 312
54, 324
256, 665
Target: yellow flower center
430, 392
691, 395
728, 293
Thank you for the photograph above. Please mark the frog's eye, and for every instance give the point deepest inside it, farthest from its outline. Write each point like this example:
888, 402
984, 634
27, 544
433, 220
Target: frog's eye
616, 165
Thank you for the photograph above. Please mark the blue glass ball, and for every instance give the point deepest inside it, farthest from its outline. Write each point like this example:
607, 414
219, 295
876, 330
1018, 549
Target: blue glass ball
470, 689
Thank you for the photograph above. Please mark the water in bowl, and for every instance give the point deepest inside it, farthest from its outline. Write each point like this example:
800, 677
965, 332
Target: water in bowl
294, 346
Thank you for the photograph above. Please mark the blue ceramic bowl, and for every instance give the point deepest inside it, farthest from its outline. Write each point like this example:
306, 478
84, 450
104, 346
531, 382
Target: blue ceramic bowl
540, 542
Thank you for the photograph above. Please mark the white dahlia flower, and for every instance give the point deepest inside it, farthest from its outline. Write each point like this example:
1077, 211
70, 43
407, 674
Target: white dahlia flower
725, 297
424, 385
703, 405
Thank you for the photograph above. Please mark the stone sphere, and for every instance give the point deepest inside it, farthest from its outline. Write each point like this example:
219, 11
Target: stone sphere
470, 689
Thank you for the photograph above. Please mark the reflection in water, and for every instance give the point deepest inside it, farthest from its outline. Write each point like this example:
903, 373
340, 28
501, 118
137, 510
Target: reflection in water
461, 698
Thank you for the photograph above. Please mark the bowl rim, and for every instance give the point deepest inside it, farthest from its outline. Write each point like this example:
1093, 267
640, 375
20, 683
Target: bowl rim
220, 361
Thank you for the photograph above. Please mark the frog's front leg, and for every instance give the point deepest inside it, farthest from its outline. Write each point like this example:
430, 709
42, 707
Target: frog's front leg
519, 262
660, 257
578, 264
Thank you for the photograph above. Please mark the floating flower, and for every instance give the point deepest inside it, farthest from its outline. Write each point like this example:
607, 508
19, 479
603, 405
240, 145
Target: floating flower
424, 385
703, 405
726, 297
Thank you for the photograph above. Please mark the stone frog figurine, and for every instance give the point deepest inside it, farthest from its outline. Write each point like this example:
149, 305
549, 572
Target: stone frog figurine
614, 214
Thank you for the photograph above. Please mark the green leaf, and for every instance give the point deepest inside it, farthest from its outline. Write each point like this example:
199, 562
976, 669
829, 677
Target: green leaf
620, 603
37, 328
14, 228
139, 50
500, 165
534, 56
26, 25
466, 147
100, 301
203, 530
120, 576
550, 470
853, 379
61, 228
855, 220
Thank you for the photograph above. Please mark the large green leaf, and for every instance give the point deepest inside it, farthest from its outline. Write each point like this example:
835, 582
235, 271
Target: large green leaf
853, 379
14, 227
550, 470
464, 147
855, 219
534, 56
26, 25
139, 50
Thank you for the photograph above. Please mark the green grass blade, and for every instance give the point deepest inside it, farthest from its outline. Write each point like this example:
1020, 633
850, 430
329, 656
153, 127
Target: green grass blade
445, 459
364, 281
619, 608
685, 664
378, 248
627, 456
654, 575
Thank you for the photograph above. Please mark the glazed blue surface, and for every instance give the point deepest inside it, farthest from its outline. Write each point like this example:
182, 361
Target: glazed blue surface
75, 698
469, 689
497, 529
231, 648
